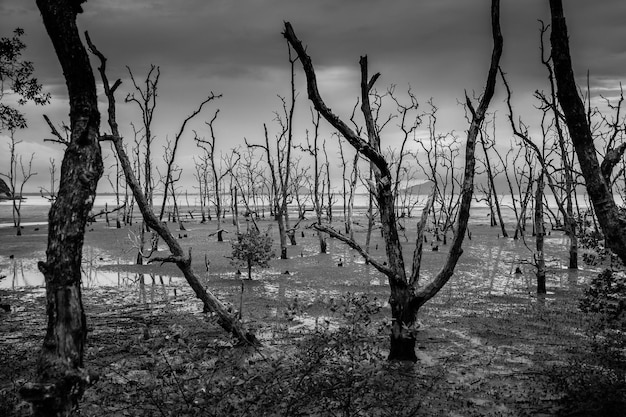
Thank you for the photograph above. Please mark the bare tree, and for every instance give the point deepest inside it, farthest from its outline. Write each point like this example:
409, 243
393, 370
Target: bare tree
405, 300
17, 176
440, 167
183, 261
487, 144
167, 179
318, 172
595, 173
540, 259
201, 174
217, 170
349, 184
50, 194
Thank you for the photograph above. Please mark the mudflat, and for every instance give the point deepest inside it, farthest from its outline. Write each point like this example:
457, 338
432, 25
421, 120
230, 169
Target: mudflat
487, 345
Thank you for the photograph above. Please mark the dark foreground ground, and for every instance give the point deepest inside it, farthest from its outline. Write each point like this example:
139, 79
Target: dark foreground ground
486, 346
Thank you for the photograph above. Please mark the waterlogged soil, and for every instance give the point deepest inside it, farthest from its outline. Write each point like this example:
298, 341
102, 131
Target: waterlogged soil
486, 345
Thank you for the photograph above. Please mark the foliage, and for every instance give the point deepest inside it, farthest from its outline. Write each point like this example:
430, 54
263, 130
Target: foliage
592, 239
590, 391
357, 311
172, 370
16, 76
605, 304
252, 249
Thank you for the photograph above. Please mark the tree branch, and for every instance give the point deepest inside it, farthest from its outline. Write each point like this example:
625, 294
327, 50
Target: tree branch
335, 234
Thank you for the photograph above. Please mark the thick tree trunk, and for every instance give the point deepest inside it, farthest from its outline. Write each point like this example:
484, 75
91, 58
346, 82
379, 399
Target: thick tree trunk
599, 190
62, 378
403, 313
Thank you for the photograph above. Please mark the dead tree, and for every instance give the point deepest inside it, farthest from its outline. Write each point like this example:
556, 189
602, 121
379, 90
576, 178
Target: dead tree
17, 177
279, 204
522, 133
51, 193
491, 174
595, 173
318, 183
217, 174
61, 373
540, 258
405, 300
182, 260
439, 168
146, 100
167, 181
408, 123
566, 161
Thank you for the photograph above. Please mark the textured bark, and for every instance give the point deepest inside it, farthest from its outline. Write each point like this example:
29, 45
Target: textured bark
61, 377
599, 189
540, 258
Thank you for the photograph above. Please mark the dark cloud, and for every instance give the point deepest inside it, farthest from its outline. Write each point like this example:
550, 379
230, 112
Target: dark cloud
439, 47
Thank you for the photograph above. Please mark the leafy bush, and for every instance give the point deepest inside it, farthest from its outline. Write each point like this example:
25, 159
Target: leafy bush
605, 303
252, 249
327, 372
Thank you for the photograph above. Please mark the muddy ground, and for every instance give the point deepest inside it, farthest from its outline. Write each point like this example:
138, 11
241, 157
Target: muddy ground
486, 345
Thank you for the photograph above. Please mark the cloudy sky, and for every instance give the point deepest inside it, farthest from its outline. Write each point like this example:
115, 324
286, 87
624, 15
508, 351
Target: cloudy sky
439, 48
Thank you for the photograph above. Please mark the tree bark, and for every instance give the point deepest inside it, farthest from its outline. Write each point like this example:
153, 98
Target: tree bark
599, 190
62, 378
540, 258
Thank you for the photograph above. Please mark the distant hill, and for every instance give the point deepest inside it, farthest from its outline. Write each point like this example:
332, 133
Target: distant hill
422, 188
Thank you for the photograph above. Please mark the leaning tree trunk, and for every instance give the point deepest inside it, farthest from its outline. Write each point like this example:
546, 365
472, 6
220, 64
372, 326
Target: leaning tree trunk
599, 189
183, 261
62, 378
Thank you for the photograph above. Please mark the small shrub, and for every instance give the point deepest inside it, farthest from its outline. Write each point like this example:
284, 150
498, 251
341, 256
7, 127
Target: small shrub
252, 249
604, 302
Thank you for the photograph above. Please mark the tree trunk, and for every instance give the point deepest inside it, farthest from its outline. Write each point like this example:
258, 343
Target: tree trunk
613, 226
62, 378
282, 234
403, 313
494, 194
404, 300
539, 237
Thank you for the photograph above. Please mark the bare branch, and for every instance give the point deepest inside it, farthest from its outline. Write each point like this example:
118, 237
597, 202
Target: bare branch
335, 234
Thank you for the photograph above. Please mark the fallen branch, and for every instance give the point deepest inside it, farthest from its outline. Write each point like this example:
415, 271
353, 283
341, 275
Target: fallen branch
92, 218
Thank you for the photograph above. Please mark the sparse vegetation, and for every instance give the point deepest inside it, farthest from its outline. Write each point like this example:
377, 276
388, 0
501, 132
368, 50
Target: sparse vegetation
251, 249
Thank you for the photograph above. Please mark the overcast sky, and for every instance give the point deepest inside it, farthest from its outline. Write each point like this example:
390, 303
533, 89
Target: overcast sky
439, 47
